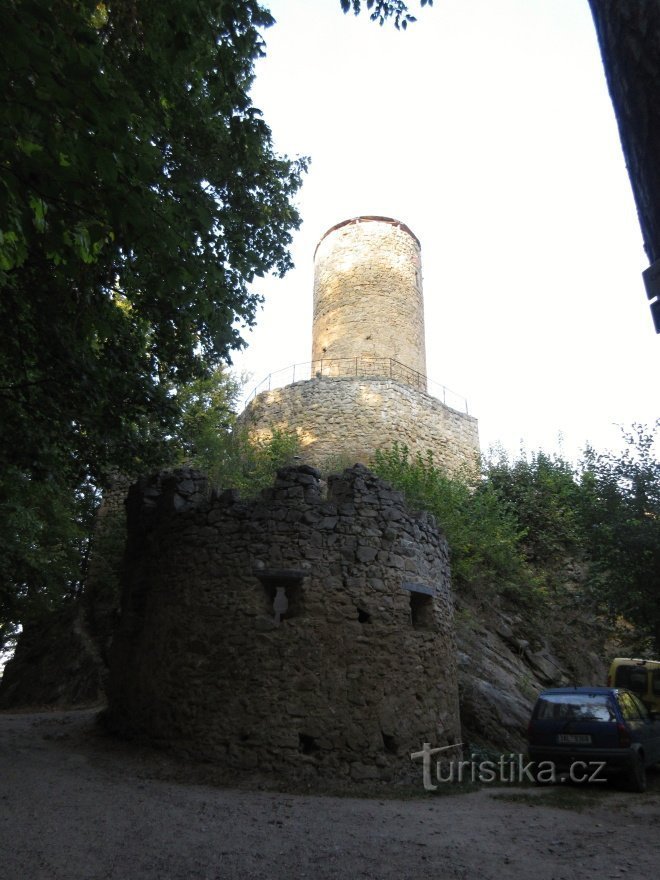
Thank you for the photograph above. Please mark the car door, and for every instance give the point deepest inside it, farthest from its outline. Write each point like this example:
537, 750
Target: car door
649, 731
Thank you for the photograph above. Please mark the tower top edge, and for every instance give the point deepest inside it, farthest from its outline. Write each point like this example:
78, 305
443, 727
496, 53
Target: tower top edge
367, 218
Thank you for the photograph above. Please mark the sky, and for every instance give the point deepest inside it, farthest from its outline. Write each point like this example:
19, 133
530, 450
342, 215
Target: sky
487, 128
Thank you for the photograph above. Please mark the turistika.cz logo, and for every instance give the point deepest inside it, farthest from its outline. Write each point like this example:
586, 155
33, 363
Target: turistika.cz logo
507, 770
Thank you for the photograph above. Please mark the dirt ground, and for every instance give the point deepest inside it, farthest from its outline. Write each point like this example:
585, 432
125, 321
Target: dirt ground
77, 805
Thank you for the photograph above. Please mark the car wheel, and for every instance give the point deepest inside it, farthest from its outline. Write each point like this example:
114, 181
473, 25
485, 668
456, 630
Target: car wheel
637, 776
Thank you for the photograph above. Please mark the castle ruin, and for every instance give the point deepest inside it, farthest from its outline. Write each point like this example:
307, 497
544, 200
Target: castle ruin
308, 633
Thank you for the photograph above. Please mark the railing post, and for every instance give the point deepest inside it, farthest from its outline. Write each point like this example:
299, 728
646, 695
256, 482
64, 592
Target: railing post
372, 367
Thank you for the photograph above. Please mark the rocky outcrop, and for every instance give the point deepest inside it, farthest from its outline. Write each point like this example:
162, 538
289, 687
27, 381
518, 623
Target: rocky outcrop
506, 657
56, 663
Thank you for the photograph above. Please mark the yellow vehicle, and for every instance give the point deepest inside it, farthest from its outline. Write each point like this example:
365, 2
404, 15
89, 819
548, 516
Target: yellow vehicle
642, 677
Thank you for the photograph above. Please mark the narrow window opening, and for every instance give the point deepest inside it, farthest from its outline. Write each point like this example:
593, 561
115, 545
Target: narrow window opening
421, 610
283, 598
363, 616
307, 744
390, 743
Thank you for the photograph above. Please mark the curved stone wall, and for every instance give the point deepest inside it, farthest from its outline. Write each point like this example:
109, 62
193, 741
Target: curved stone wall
299, 633
368, 294
349, 418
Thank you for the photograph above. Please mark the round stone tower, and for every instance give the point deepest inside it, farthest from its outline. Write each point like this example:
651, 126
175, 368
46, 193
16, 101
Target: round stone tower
366, 386
368, 303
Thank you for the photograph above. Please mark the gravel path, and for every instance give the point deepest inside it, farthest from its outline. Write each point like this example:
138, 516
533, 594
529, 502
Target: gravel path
75, 805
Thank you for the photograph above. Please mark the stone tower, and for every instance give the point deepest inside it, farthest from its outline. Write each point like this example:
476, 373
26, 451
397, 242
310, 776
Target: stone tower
366, 386
368, 300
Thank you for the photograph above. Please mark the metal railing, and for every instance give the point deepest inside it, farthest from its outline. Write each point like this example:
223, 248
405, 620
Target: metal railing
360, 367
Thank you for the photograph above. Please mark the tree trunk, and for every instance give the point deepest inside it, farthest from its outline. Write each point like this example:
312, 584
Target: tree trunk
629, 37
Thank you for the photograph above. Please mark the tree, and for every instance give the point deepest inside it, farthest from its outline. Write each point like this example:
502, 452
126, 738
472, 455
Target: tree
544, 492
385, 10
209, 438
482, 529
44, 541
140, 198
621, 515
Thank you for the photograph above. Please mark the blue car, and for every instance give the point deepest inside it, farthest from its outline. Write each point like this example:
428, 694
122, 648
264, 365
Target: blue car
591, 733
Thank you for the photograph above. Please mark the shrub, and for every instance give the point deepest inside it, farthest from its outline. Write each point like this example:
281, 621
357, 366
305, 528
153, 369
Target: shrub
482, 530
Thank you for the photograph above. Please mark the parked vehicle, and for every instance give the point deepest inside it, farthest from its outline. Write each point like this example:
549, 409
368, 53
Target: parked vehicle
591, 733
642, 677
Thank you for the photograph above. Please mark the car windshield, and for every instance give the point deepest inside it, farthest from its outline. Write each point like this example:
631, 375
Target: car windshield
631, 677
575, 707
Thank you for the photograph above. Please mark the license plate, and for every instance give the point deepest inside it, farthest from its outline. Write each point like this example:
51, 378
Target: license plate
574, 738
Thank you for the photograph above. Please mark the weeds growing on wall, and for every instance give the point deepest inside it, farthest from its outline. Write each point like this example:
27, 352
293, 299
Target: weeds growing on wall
251, 465
483, 532
585, 535
209, 439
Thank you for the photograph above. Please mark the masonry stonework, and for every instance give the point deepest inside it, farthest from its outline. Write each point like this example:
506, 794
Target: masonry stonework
339, 419
368, 359
309, 632
368, 294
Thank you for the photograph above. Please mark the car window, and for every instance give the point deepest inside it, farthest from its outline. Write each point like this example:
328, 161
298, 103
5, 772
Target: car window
641, 708
628, 706
575, 707
632, 677
638, 681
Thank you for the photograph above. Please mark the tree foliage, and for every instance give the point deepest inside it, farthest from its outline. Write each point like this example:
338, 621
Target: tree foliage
140, 198
209, 438
482, 530
621, 511
543, 491
43, 547
385, 10
525, 526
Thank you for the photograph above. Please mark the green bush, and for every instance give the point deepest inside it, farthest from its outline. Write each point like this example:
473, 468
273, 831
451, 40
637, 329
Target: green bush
209, 439
482, 530
545, 494
620, 510
251, 465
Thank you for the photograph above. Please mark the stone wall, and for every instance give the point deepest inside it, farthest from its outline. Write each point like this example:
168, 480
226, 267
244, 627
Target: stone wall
349, 418
309, 632
368, 294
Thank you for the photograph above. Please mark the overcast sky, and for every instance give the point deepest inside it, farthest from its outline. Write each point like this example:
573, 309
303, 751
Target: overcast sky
486, 128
